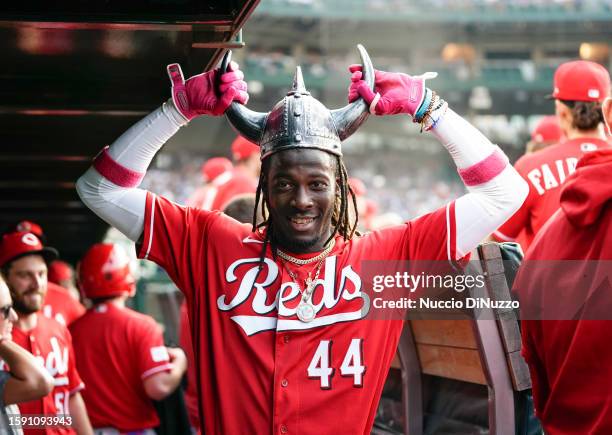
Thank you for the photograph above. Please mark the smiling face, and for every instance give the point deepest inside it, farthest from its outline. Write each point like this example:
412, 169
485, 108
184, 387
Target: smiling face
27, 280
301, 191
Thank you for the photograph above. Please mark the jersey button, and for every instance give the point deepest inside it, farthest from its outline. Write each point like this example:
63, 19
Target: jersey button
286, 339
284, 382
283, 429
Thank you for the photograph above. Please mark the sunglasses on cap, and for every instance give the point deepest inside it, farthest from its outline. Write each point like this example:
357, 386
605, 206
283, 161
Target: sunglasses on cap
5, 311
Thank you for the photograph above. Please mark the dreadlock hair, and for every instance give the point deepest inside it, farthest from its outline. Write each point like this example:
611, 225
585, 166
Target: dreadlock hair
341, 216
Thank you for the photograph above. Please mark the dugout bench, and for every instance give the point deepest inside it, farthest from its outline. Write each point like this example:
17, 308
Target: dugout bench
463, 374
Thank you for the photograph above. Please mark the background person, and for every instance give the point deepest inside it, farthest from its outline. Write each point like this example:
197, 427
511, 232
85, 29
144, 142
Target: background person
569, 358
137, 367
579, 89
23, 263
23, 378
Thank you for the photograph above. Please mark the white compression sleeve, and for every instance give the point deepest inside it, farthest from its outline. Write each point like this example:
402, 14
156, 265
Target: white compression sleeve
122, 207
487, 205
464, 142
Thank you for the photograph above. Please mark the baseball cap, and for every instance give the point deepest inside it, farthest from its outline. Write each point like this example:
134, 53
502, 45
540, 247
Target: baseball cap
547, 130
243, 148
28, 227
581, 80
21, 243
59, 271
214, 167
357, 186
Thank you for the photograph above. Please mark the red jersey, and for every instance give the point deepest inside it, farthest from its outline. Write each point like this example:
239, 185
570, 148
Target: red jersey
191, 393
545, 172
128, 347
51, 344
239, 184
571, 360
264, 370
59, 305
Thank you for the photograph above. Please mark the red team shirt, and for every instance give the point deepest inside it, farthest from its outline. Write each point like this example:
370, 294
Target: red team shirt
239, 184
51, 344
191, 392
116, 349
261, 370
545, 171
59, 305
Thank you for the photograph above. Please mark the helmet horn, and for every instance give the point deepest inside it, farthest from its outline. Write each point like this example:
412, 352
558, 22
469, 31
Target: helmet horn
246, 122
349, 118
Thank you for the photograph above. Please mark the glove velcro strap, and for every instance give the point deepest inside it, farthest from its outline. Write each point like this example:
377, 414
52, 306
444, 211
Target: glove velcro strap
485, 170
115, 172
374, 102
179, 91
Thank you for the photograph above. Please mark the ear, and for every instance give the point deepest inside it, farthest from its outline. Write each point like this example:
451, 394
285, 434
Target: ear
564, 115
606, 108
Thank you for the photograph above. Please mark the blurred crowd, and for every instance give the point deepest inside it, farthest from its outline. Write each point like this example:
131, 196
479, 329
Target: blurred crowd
504, 5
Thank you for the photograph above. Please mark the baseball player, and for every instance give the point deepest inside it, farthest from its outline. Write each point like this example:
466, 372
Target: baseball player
23, 262
215, 172
244, 176
546, 132
571, 360
127, 364
579, 88
62, 274
59, 304
280, 339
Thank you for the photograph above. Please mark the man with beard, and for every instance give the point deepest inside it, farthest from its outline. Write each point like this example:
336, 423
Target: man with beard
267, 302
23, 262
59, 303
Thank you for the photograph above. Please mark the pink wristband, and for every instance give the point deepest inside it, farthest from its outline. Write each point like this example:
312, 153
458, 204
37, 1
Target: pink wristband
113, 171
484, 170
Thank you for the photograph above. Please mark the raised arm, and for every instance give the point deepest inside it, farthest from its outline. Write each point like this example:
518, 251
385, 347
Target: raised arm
496, 190
29, 380
110, 186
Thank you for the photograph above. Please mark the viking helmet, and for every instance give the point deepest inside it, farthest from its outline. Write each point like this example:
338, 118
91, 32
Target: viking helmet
299, 120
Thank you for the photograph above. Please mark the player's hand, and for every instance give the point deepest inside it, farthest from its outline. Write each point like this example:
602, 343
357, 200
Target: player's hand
393, 92
177, 357
199, 96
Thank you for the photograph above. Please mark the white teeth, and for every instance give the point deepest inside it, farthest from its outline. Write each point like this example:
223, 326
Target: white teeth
302, 220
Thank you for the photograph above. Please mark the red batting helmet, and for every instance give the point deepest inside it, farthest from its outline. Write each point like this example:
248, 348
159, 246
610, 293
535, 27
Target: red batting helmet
104, 271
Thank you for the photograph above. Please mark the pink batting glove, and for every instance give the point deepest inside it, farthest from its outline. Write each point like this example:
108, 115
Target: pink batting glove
198, 96
395, 92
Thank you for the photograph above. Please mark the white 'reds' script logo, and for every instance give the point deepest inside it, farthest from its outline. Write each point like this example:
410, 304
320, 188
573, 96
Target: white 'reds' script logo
289, 291
56, 362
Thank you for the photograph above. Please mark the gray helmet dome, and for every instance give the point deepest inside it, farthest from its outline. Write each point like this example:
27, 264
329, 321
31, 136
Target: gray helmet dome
299, 120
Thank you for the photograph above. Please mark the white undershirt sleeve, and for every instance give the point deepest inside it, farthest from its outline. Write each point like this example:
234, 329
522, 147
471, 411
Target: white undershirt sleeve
124, 208
489, 204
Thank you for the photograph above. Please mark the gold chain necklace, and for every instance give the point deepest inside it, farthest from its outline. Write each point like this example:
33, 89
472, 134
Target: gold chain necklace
305, 310
301, 262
